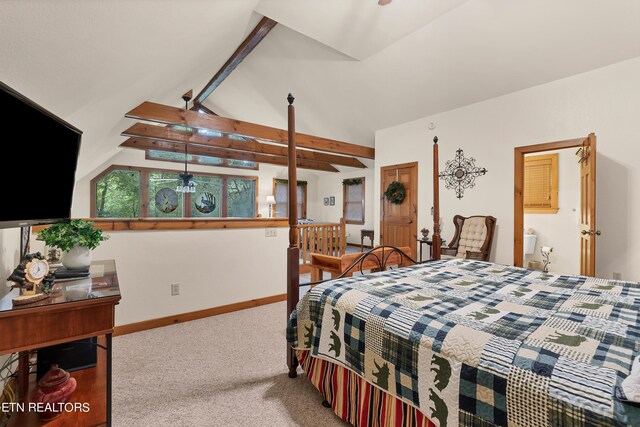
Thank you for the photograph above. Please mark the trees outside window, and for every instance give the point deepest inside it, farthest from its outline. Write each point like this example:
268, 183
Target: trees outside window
133, 192
117, 195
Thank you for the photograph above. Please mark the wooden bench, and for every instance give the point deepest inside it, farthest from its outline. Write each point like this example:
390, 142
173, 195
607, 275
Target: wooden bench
337, 265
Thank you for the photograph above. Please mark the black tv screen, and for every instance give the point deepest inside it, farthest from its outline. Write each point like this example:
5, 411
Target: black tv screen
38, 163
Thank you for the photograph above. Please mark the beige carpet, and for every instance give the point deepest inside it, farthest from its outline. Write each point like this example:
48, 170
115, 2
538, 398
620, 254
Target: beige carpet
227, 370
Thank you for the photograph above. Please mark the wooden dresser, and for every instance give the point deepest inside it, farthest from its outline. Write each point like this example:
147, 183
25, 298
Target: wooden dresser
76, 309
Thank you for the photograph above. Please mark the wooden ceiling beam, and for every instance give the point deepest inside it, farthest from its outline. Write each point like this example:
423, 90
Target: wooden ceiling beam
253, 39
161, 133
150, 111
176, 147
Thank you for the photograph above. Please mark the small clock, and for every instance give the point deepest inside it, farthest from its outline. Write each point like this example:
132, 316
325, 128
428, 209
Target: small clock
36, 270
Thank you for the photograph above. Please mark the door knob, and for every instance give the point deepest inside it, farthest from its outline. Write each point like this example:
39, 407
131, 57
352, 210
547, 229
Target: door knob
410, 221
583, 232
598, 232
591, 232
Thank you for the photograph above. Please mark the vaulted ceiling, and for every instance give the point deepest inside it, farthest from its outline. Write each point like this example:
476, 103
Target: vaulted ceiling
354, 66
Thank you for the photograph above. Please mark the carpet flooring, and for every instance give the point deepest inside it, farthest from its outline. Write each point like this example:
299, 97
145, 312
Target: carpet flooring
227, 370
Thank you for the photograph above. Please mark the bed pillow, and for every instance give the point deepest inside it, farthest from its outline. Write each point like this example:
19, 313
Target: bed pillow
631, 385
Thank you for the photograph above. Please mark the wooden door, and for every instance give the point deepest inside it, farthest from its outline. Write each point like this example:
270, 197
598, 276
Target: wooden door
398, 223
588, 231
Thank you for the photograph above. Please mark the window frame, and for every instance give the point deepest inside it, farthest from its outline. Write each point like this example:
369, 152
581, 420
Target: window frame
344, 202
304, 198
554, 207
144, 192
224, 164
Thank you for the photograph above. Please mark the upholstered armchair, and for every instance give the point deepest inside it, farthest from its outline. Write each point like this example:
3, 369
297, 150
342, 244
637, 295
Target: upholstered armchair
472, 239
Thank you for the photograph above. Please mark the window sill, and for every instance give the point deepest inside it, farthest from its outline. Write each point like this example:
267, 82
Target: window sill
541, 210
182, 224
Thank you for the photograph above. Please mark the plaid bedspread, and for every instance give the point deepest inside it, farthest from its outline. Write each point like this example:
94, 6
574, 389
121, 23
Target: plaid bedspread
473, 343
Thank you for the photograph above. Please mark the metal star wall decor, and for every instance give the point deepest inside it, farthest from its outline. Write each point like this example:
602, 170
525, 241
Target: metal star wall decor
460, 173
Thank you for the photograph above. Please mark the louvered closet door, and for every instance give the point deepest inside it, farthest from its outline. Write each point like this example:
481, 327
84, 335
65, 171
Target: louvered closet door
398, 223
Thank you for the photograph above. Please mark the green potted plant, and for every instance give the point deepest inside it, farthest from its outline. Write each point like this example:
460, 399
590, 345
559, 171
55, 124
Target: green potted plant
76, 239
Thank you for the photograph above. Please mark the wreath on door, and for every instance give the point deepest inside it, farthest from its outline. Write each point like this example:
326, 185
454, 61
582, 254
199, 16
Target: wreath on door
396, 192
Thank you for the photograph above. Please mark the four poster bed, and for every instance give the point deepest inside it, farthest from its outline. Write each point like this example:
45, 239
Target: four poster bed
462, 342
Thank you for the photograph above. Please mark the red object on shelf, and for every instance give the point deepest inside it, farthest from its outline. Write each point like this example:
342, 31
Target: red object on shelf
54, 389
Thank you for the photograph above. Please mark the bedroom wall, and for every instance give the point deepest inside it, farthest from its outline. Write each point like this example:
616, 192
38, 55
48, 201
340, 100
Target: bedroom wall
331, 185
603, 101
9, 255
560, 230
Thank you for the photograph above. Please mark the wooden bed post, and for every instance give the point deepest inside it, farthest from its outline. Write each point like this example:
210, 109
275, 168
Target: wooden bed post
293, 251
436, 240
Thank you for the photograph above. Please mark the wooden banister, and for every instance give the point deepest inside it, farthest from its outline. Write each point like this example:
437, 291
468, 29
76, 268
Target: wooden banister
326, 238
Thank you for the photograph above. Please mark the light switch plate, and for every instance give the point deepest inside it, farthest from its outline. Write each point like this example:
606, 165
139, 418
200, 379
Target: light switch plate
270, 232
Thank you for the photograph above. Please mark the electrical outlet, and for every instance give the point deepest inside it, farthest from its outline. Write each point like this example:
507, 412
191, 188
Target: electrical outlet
270, 232
617, 276
175, 289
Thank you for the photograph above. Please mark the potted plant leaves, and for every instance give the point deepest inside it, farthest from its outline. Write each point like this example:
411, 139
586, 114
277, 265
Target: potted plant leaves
76, 239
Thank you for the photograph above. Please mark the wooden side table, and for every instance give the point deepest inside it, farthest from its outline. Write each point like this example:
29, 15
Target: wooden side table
366, 233
76, 309
430, 243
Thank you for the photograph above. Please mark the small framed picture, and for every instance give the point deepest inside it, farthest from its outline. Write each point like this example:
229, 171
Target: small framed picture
332, 201
326, 201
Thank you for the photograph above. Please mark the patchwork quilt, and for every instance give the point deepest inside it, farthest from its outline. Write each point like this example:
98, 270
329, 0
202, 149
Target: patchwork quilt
473, 343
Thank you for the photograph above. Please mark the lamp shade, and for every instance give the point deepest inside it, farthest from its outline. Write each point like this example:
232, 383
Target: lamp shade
271, 200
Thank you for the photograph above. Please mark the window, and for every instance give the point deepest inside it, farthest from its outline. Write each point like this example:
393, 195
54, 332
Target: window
541, 184
353, 200
281, 194
117, 195
131, 192
169, 156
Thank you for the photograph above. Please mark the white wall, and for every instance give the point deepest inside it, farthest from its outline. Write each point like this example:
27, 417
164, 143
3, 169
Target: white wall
331, 185
9, 259
9, 255
560, 230
603, 101
213, 267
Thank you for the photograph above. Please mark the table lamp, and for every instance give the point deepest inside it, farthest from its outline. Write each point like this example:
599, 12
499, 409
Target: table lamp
271, 200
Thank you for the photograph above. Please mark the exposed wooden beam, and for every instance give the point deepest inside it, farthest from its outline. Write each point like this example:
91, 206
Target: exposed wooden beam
197, 107
259, 32
159, 113
161, 133
175, 147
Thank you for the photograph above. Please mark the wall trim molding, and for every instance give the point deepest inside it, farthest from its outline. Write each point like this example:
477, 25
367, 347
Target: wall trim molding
145, 224
195, 315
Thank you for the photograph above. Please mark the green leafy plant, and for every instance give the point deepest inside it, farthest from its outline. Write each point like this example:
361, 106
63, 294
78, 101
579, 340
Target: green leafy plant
396, 192
67, 235
352, 181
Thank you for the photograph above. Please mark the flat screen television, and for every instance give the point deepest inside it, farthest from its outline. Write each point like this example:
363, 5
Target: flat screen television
38, 164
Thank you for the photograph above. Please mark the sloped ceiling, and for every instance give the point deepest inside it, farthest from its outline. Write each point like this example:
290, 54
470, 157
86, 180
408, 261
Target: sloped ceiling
357, 28
479, 50
91, 61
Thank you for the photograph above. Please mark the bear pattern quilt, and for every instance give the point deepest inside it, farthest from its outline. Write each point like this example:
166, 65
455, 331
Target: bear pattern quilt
474, 343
